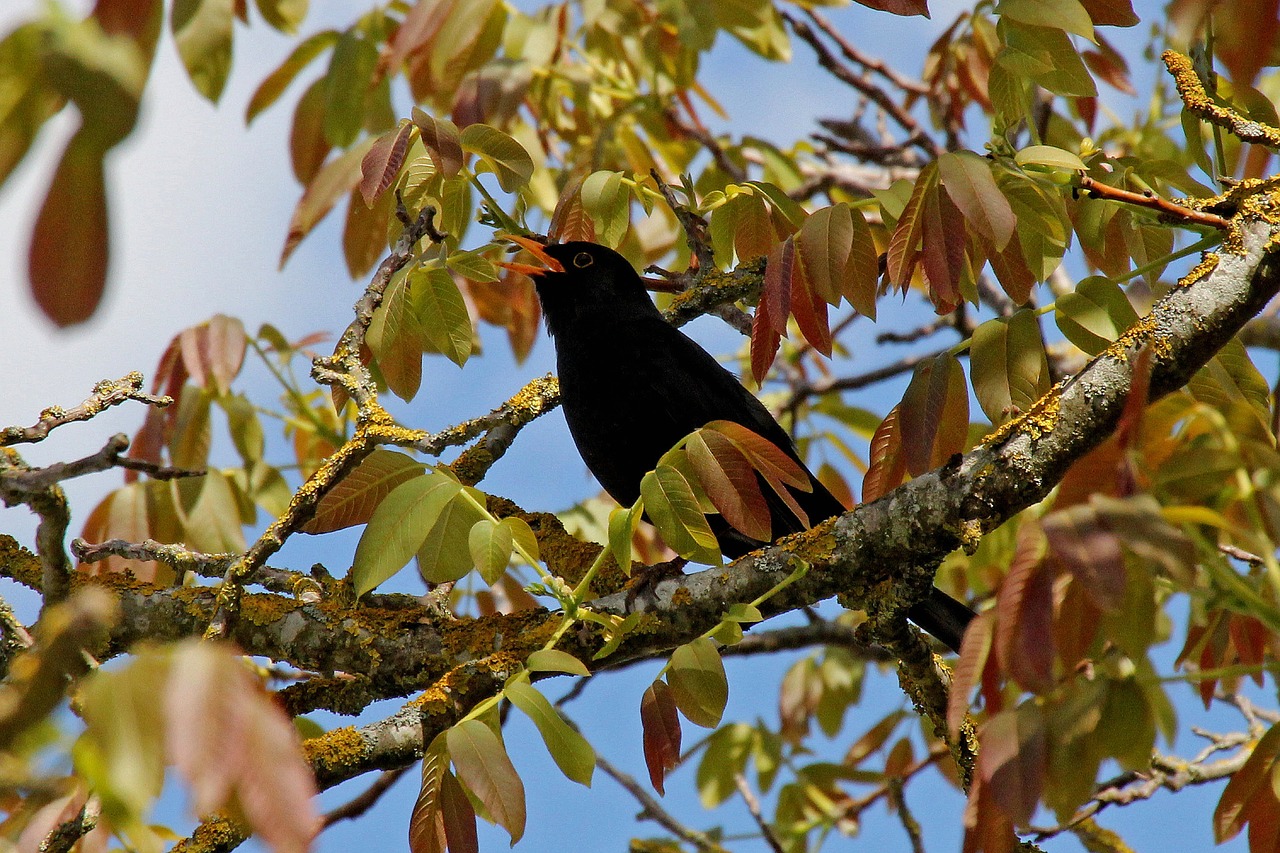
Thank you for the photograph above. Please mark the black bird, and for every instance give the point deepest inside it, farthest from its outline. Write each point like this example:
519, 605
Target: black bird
632, 386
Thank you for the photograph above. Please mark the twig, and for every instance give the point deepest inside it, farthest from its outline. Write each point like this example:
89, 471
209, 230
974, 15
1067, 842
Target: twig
106, 394
753, 806
861, 380
364, 801
906, 84
31, 480
703, 136
894, 793
184, 560
65, 835
654, 811
1168, 210
696, 231
819, 633
915, 135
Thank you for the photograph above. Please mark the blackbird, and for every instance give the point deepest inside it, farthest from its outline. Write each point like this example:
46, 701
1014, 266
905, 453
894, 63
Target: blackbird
632, 386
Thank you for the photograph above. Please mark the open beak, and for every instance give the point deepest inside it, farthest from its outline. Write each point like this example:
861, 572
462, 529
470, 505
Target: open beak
534, 248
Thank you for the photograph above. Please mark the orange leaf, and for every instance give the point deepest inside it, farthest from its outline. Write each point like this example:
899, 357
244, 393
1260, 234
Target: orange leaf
213, 352
888, 468
67, 261
764, 341
570, 220
904, 243
334, 180
975, 648
353, 500
942, 239
661, 725
1249, 783
779, 276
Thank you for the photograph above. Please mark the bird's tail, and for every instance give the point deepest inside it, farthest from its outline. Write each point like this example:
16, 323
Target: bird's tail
943, 617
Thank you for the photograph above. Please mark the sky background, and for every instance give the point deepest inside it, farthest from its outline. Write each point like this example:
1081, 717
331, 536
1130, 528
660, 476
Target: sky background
199, 208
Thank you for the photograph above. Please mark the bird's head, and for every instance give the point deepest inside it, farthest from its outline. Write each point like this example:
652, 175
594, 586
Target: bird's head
581, 280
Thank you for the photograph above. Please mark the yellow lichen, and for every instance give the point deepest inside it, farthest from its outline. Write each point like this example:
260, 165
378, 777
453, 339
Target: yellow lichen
334, 750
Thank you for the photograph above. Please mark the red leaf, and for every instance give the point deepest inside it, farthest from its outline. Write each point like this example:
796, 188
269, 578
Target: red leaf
942, 240
904, 243
934, 414
730, 481
776, 293
1251, 782
353, 500
888, 468
235, 745
661, 725
459, 817
1024, 608
213, 352
1111, 13
381, 165
899, 7
1080, 544
67, 262
1012, 760
570, 220
764, 342
808, 307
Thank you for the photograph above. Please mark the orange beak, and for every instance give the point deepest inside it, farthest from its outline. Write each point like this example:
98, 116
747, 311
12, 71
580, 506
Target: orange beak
534, 248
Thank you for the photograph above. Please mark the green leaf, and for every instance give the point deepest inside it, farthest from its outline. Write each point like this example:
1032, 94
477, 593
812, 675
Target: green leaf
554, 660
284, 15
445, 554
1095, 314
441, 312
1050, 157
570, 750
622, 527
1009, 365
490, 545
351, 68
522, 536
967, 179
1067, 15
472, 265
202, 32
398, 527
673, 507
273, 86
483, 765
725, 758
608, 202
396, 338
1047, 56
501, 152
698, 683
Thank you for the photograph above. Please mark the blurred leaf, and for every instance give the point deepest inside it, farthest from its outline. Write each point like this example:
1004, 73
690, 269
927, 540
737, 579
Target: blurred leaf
67, 260
698, 684
484, 767
213, 352
608, 203
1013, 760
1080, 544
364, 234
1024, 614
351, 69
1067, 15
274, 84
236, 747
334, 180
1252, 782
202, 31
570, 750
284, 15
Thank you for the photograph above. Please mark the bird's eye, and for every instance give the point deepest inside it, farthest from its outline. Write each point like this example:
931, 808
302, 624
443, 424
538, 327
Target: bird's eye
582, 260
